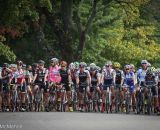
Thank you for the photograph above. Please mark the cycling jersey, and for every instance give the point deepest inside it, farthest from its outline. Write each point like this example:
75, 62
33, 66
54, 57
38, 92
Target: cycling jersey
141, 75
64, 76
119, 76
73, 76
83, 77
41, 74
150, 80
54, 75
27, 76
5, 76
108, 76
129, 79
5, 80
94, 79
19, 76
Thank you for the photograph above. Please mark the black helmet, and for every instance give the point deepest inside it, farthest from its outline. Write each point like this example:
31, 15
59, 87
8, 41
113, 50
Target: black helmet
34, 65
82, 64
93, 68
41, 62
5, 65
149, 72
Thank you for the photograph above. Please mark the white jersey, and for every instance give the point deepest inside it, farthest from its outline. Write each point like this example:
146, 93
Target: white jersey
141, 75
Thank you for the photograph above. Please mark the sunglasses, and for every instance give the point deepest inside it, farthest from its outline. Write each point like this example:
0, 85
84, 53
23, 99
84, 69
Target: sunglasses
127, 69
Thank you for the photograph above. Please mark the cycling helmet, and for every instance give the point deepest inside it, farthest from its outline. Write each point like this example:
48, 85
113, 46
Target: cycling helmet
127, 67
108, 63
54, 60
82, 65
148, 64
5, 65
41, 62
117, 65
153, 69
19, 62
76, 64
63, 63
34, 65
72, 66
92, 64
93, 68
149, 71
13, 66
132, 66
98, 68
144, 62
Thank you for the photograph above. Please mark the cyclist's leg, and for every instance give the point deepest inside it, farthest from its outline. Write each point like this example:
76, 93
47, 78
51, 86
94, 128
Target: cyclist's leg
23, 96
104, 97
112, 88
81, 98
6, 90
46, 96
88, 93
155, 97
133, 94
99, 92
69, 97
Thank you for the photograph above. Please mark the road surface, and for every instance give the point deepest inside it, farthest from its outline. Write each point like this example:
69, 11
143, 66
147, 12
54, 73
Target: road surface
77, 121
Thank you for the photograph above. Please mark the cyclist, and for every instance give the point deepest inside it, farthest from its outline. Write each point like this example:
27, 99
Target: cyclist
83, 80
20, 84
119, 81
95, 80
6, 76
28, 78
108, 81
141, 73
66, 81
54, 75
151, 80
129, 81
40, 80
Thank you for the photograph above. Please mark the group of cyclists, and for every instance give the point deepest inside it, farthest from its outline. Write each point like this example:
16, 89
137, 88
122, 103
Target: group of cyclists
77, 86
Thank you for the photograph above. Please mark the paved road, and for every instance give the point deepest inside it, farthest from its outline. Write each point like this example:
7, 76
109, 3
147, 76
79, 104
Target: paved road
77, 121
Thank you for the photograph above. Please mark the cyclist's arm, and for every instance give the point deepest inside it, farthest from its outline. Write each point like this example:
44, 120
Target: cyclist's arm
122, 80
98, 79
88, 78
46, 75
114, 77
77, 78
69, 76
102, 78
34, 78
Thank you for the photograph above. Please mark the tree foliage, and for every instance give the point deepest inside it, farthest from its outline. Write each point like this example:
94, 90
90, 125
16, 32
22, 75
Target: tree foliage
91, 30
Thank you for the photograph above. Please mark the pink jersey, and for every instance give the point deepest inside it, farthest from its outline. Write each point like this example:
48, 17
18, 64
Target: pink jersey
54, 75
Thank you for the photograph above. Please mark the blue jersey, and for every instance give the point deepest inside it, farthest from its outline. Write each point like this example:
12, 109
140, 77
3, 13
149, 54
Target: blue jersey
129, 79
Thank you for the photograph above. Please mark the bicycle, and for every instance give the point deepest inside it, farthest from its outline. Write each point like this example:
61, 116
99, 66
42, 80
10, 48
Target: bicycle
127, 99
52, 98
117, 98
108, 103
38, 100
140, 100
148, 101
74, 97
